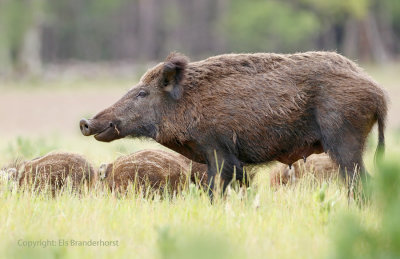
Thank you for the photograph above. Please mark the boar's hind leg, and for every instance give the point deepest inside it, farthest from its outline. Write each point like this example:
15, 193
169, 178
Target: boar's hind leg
225, 164
346, 147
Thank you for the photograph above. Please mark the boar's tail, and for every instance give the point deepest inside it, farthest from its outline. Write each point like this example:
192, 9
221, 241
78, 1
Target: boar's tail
381, 119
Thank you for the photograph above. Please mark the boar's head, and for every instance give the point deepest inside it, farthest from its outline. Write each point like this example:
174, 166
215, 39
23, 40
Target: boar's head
139, 112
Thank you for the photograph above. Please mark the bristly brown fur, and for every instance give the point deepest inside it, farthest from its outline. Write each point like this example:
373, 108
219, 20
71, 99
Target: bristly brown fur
53, 169
156, 168
320, 166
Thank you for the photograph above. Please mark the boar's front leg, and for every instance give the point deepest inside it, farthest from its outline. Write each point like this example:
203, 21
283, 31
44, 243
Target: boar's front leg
225, 164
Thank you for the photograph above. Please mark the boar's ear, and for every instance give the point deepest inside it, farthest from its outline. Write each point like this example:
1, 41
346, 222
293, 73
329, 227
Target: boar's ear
173, 74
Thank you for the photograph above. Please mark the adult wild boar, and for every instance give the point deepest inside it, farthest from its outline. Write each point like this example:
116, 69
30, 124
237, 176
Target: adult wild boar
249, 109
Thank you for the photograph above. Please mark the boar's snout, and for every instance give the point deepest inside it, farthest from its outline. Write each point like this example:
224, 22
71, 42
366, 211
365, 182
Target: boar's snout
84, 125
103, 130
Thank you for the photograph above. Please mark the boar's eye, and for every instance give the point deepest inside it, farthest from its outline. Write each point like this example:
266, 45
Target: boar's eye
165, 82
142, 93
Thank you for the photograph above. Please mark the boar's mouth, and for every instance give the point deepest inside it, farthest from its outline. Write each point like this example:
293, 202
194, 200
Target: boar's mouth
105, 134
108, 134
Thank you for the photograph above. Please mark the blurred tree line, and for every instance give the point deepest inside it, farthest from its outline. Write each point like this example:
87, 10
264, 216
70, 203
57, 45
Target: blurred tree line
36, 32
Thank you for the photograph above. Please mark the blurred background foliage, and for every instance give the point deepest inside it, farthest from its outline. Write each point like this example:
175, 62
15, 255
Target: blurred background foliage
35, 33
353, 239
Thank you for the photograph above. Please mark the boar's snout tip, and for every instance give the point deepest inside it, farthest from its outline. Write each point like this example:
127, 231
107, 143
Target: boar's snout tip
84, 125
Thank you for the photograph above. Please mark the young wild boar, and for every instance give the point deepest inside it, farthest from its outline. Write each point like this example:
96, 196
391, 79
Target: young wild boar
240, 109
154, 168
320, 166
52, 171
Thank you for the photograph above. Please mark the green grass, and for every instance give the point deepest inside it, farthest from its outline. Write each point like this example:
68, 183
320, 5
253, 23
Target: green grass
290, 222
258, 223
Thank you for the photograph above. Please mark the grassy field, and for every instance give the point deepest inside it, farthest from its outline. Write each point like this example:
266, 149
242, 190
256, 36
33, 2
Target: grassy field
297, 221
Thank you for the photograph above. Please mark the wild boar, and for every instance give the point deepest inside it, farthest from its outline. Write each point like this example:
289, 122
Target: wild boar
154, 168
52, 171
236, 109
320, 166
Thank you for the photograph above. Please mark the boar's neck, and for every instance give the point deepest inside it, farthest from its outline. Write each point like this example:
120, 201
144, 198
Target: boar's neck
177, 127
